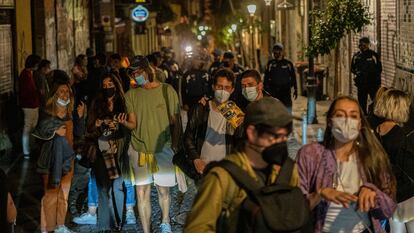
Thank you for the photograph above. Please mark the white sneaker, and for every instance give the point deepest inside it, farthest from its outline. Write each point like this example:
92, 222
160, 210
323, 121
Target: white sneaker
130, 217
165, 228
85, 218
63, 229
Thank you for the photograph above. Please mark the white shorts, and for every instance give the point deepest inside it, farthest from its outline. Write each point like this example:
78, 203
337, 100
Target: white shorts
164, 177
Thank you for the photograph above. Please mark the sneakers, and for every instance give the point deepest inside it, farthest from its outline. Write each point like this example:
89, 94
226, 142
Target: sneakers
165, 228
85, 218
130, 217
63, 229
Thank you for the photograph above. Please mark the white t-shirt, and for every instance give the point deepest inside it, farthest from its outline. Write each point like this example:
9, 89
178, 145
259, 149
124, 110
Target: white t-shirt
346, 220
214, 146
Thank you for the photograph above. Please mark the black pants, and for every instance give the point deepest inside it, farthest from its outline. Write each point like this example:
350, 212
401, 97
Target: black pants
363, 92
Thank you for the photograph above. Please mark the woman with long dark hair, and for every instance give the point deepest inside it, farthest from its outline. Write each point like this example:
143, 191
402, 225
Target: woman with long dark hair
348, 178
107, 142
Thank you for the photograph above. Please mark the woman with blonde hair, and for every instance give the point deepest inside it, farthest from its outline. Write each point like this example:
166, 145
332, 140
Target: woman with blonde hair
55, 163
394, 107
347, 179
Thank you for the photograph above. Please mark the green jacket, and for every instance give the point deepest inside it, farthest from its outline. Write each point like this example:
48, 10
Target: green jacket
219, 198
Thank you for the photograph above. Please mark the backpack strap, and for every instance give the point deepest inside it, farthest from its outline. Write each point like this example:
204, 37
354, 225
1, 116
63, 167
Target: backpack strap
285, 174
240, 176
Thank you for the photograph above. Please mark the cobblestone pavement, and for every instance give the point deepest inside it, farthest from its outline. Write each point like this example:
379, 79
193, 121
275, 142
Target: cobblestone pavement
27, 189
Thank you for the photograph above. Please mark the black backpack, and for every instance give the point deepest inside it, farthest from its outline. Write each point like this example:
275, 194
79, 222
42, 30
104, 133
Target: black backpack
279, 207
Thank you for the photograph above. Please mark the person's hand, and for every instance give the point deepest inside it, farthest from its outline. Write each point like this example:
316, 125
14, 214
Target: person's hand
203, 101
61, 131
111, 125
122, 118
295, 94
200, 165
338, 197
366, 199
81, 109
98, 122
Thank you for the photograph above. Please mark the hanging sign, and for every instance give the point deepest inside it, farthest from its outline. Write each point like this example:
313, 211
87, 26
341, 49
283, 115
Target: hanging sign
139, 14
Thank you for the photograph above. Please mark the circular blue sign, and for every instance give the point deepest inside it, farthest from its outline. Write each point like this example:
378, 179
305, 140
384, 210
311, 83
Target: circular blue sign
140, 14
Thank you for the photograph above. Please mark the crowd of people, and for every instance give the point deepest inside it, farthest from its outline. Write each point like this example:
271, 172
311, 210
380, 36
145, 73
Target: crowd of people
118, 121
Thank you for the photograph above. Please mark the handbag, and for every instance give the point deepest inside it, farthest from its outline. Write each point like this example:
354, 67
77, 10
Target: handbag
180, 158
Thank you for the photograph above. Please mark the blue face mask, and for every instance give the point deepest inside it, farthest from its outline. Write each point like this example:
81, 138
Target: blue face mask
140, 79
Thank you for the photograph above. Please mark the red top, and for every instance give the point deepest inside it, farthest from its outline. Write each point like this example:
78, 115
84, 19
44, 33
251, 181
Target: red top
29, 96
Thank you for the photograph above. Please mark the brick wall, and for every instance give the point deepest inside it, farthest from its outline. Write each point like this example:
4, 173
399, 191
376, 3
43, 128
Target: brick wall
388, 41
404, 77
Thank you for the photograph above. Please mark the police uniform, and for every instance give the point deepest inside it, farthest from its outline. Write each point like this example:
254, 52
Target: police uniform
367, 68
279, 79
197, 83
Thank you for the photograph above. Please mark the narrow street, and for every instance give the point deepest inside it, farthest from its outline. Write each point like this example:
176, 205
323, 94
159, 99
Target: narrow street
27, 188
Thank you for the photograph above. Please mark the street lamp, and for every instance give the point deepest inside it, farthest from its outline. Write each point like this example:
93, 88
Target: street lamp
269, 18
285, 5
268, 2
311, 80
234, 27
252, 9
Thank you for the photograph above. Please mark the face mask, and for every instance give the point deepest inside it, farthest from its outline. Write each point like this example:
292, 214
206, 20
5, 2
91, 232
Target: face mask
221, 96
141, 80
109, 92
62, 102
345, 129
276, 153
250, 93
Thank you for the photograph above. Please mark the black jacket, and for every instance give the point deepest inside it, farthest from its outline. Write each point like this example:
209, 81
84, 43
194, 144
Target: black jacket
195, 132
367, 68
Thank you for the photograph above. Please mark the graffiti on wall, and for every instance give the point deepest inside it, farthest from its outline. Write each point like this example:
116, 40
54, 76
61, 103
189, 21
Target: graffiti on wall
81, 22
67, 31
404, 81
404, 77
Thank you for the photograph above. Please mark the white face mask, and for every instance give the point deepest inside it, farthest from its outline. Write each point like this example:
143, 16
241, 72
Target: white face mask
62, 102
221, 96
345, 129
250, 93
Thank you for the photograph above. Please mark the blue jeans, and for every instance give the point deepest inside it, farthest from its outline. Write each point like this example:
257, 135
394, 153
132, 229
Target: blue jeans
112, 205
93, 192
130, 193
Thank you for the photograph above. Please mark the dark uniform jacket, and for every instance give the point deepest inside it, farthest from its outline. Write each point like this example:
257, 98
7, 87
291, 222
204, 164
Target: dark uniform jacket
367, 68
279, 79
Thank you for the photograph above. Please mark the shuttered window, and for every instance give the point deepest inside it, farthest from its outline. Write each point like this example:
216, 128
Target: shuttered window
6, 59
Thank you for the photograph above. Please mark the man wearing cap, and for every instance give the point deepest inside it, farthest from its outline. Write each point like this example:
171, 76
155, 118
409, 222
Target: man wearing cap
152, 114
216, 63
280, 77
267, 123
367, 68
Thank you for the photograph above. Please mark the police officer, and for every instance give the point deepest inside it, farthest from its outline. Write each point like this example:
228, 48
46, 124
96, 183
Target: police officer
367, 68
216, 63
280, 77
196, 83
229, 62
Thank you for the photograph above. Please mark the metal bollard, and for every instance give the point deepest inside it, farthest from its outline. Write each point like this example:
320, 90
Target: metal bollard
319, 135
304, 128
